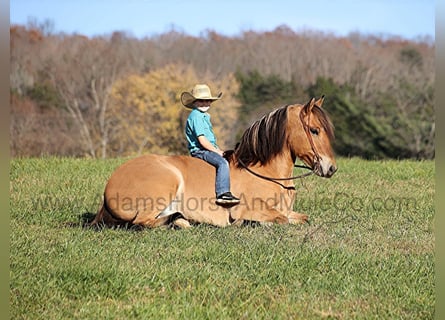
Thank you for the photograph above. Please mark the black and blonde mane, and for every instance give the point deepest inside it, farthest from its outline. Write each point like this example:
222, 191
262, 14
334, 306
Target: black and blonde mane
266, 137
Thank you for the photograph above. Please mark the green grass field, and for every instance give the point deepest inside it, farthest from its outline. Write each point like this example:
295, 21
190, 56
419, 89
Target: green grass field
367, 254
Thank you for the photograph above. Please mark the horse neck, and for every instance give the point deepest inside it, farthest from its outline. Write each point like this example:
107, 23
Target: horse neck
282, 165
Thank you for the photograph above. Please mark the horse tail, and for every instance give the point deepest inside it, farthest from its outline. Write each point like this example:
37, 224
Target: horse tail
104, 216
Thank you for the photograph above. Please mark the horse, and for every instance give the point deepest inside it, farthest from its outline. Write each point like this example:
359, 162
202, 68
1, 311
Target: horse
177, 190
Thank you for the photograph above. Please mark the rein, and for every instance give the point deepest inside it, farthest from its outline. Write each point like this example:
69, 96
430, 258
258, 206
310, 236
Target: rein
276, 180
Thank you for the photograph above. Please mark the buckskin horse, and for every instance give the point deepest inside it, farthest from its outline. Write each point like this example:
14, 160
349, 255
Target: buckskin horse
157, 190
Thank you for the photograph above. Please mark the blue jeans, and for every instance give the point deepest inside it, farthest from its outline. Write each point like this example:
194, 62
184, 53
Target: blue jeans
222, 181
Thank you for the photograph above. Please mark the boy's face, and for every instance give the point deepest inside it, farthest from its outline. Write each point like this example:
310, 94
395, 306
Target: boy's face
203, 105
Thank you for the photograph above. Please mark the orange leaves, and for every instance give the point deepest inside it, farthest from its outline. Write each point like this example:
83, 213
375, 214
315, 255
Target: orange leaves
150, 117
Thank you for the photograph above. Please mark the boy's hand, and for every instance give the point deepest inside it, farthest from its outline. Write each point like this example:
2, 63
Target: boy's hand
207, 145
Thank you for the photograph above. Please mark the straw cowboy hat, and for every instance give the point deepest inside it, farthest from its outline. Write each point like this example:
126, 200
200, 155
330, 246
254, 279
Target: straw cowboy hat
199, 92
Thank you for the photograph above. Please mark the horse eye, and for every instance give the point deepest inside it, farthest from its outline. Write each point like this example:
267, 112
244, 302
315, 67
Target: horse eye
315, 131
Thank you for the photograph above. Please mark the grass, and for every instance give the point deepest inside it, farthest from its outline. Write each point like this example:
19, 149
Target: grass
367, 254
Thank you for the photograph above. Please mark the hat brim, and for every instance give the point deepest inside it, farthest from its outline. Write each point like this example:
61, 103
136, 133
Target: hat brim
187, 99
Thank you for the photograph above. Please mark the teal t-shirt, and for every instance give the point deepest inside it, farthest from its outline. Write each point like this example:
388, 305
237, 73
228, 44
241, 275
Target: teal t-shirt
198, 124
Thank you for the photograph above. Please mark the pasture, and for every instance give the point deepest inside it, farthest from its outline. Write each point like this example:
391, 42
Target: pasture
368, 252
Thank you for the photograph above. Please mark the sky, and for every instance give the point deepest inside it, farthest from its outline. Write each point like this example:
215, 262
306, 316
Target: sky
408, 19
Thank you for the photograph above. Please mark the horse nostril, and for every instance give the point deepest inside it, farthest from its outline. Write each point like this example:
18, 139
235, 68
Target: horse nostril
332, 169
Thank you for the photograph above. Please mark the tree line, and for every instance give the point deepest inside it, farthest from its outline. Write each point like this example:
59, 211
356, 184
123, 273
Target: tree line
116, 95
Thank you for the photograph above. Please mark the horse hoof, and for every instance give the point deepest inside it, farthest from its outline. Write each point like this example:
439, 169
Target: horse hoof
182, 223
298, 218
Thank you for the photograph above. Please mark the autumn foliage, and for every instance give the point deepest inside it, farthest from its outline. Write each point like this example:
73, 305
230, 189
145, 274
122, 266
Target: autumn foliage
117, 95
148, 114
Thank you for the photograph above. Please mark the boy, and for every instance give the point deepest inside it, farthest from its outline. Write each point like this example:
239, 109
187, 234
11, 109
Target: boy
202, 141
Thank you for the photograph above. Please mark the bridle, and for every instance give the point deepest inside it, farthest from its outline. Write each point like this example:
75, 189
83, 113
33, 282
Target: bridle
317, 159
307, 129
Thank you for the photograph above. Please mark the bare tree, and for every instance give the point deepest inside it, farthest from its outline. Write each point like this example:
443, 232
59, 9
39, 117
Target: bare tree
84, 71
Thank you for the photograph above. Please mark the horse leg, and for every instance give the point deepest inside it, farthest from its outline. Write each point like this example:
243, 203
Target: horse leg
297, 218
182, 223
149, 221
179, 222
262, 213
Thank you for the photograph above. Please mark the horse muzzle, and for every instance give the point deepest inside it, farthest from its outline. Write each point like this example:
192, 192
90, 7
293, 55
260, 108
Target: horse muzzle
325, 168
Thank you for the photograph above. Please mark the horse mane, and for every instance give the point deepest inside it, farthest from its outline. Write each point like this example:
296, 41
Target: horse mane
266, 137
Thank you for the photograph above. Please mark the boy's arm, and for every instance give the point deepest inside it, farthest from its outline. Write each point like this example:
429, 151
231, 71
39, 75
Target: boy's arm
205, 143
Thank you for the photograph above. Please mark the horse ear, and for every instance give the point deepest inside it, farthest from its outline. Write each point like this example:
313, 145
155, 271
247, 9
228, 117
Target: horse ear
308, 107
319, 102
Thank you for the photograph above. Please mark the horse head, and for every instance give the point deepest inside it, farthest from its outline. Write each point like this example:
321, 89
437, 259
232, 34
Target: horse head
312, 143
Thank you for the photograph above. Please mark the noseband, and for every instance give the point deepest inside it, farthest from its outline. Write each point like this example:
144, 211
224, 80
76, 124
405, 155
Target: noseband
316, 161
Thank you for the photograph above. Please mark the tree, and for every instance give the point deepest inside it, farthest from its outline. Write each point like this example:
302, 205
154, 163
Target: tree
260, 94
149, 116
387, 79
378, 131
83, 71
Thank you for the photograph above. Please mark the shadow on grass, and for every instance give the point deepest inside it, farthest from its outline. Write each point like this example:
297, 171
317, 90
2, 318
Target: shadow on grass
86, 218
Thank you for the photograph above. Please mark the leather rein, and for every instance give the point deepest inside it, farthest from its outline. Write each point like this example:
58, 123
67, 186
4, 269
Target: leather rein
316, 160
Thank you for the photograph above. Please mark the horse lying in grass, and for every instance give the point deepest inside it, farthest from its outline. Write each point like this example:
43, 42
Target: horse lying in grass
156, 190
